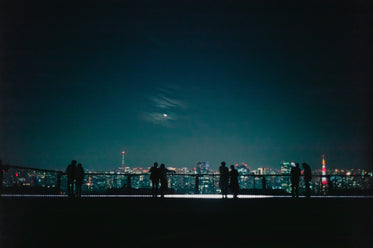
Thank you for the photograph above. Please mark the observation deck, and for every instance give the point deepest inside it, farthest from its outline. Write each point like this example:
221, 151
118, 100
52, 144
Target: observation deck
181, 222
130, 217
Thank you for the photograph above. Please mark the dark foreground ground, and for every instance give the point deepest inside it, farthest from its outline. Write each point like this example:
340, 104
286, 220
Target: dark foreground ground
144, 222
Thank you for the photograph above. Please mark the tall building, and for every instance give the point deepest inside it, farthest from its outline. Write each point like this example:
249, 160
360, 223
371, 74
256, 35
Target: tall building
202, 167
285, 181
123, 168
285, 167
323, 171
123, 152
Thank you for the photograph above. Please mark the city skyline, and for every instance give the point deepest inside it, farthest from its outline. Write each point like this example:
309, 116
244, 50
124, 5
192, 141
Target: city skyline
177, 83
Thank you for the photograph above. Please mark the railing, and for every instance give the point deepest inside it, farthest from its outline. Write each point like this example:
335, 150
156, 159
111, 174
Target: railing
20, 180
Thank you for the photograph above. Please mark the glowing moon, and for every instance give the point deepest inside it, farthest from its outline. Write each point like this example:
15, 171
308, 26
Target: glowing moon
165, 115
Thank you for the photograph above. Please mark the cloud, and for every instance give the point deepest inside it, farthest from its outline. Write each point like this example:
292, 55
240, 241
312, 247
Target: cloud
159, 118
165, 102
164, 107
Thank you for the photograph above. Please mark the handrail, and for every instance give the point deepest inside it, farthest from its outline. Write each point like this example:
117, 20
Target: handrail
169, 173
134, 179
29, 168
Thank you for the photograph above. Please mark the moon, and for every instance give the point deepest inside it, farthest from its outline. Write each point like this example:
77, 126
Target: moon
165, 115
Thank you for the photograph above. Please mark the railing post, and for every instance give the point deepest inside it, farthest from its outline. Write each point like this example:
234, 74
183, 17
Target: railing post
128, 181
196, 185
58, 186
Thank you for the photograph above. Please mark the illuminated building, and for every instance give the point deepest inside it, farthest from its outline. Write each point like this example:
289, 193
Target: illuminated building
202, 167
323, 171
285, 181
123, 152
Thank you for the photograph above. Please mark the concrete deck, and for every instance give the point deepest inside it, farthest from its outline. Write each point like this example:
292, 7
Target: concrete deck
147, 222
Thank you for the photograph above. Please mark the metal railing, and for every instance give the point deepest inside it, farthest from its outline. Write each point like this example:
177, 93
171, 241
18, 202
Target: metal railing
21, 180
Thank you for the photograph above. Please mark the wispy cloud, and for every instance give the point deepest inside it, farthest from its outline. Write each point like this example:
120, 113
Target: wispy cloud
164, 107
165, 102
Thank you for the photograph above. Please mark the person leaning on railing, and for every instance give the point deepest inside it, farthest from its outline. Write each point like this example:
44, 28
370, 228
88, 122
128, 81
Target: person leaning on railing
163, 178
70, 172
79, 177
307, 175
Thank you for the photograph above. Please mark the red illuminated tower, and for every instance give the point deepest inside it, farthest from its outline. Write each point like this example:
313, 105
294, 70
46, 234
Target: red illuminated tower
323, 172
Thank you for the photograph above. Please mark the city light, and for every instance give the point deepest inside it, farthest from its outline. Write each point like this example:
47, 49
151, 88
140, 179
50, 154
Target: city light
180, 196
200, 181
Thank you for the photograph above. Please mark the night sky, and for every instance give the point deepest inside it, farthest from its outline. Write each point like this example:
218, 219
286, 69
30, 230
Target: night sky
185, 81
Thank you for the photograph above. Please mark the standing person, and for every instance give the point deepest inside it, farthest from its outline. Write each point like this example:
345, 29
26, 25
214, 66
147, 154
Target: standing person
294, 175
233, 174
163, 179
307, 174
70, 172
264, 183
224, 179
154, 177
79, 176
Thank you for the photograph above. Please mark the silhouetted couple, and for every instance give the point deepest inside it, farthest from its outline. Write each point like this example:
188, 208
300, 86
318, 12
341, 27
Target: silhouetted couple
228, 179
295, 174
159, 175
75, 176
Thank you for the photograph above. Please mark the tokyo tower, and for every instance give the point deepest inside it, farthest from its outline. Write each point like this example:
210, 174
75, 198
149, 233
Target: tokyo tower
323, 172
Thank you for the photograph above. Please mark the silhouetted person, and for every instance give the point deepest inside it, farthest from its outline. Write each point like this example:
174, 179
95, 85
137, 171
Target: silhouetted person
294, 175
264, 182
154, 177
79, 176
163, 178
307, 174
196, 185
235, 187
70, 172
224, 180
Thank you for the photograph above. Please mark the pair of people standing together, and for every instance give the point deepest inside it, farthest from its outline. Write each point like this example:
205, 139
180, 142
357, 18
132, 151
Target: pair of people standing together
75, 176
295, 174
228, 179
159, 175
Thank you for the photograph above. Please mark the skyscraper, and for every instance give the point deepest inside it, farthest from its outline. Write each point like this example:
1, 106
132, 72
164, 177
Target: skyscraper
285, 181
202, 167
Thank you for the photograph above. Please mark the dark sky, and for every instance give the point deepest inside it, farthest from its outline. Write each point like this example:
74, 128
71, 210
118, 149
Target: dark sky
185, 81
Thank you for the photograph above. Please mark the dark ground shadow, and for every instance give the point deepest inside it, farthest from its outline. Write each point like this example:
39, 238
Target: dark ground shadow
137, 222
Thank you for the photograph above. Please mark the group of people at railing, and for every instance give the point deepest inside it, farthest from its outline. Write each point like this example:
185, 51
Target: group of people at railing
295, 174
228, 179
159, 175
75, 176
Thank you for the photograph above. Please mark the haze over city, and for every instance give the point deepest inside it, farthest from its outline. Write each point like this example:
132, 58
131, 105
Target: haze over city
180, 82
